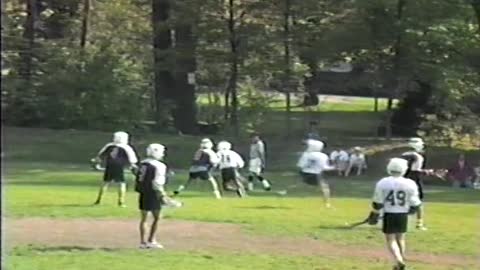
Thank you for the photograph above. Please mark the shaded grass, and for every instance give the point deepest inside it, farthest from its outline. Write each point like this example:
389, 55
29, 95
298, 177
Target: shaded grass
71, 258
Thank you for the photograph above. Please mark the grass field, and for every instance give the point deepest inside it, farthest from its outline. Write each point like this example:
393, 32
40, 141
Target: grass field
46, 175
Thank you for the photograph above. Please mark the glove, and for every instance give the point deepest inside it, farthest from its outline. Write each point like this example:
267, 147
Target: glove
373, 218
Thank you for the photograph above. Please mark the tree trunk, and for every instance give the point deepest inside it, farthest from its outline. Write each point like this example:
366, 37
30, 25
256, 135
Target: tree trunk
397, 66
185, 111
28, 34
232, 82
85, 21
287, 79
476, 8
164, 83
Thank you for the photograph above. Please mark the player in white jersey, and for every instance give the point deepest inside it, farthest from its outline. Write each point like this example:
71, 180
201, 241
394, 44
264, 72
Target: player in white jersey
357, 160
257, 162
312, 164
204, 160
229, 163
397, 196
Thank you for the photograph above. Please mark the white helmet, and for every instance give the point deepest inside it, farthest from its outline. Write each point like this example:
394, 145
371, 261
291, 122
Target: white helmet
397, 166
314, 146
206, 143
416, 143
224, 145
120, 137
156, 151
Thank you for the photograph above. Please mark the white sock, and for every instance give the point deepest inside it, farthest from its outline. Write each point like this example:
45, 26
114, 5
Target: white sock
217, 194
180, 188
250, 186
265, 183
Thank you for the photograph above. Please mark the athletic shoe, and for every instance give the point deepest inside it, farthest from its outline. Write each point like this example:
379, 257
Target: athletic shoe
401, 266
421, 227
154, 245
143, 246
122, 205
96, 203
175, 193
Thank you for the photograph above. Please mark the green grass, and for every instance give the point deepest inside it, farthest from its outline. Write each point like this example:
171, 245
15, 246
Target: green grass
68, 193
40, 258
46, 174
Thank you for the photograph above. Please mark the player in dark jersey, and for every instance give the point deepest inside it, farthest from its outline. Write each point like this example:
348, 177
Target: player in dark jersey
150, 184
204, 160
416, 170
116, 156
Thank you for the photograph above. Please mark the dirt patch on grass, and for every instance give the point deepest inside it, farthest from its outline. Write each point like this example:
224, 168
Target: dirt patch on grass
191, 236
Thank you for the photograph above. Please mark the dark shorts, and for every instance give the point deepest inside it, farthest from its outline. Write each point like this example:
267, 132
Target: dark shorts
149, 202
228, 174
312, 179
203, 175
415, 176
395, 223
114, 173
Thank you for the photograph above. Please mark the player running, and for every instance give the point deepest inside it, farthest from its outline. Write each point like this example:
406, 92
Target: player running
150, 184
257, 162
229, 163
312, 164
116, 156
204, 160
397, 196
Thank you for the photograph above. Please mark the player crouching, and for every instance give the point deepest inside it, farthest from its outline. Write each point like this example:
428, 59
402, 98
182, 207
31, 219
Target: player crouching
397, 196
312, 164
117, 156
204, 160
230, 162
150, 184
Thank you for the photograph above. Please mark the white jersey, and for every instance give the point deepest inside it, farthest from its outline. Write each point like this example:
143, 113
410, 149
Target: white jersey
418, 162
343, 156
334, 155
314, 163
357, 159
257, 151
230, 159
397, 194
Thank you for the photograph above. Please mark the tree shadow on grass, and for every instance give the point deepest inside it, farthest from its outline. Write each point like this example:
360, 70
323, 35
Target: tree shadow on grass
46, 249
263, 207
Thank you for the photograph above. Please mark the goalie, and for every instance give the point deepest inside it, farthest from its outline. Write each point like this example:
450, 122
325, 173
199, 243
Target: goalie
397, 196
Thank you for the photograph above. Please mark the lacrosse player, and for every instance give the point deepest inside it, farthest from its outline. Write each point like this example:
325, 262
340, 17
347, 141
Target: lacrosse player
229, 163
416, 165
256, 163
343, 159
397, 196
116, 156
357, 160
204, 160
150, 184
312, 164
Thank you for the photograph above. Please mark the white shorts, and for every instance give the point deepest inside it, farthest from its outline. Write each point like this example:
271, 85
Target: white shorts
255, 165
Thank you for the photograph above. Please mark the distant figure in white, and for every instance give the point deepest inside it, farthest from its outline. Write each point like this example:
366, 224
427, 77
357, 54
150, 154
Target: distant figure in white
357, 161
257, 163
117, 156
342, 159
312, 164
229, 164
204, 160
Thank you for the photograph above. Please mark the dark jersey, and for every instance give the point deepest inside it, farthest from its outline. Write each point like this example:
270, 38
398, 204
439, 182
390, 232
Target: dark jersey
202, 159
147, 174
117, 156
413, 160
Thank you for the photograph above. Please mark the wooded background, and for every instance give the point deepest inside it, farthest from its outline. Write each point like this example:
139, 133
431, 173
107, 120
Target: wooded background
103, 64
